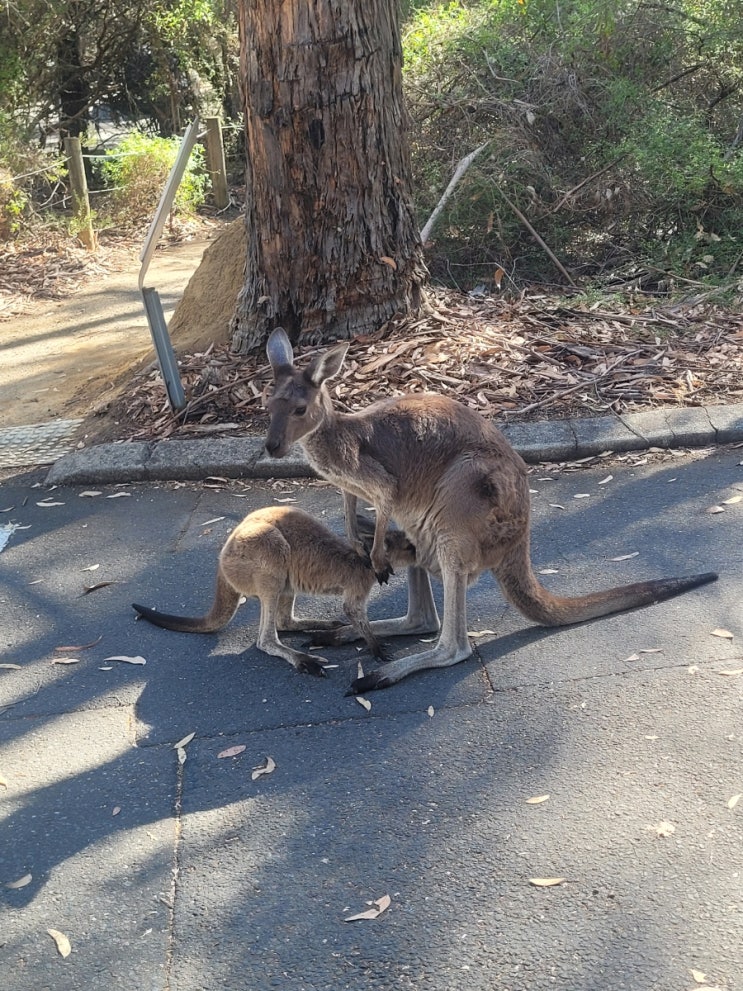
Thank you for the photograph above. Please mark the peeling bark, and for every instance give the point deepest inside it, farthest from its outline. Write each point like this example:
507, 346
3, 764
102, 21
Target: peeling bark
333, 248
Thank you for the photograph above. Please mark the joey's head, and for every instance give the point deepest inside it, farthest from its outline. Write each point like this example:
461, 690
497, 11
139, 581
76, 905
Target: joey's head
298, 402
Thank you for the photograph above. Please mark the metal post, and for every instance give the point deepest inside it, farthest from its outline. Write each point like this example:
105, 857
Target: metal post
151, 297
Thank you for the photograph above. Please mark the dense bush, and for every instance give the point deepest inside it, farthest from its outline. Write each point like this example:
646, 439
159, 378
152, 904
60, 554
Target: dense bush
137, 172
614, 128
27, 177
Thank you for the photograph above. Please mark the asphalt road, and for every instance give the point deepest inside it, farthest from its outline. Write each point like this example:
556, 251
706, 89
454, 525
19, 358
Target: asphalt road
198, 876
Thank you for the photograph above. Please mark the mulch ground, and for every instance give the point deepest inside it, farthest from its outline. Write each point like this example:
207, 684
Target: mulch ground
538, 357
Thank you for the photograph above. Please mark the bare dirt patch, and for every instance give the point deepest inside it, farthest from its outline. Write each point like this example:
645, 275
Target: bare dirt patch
72, 326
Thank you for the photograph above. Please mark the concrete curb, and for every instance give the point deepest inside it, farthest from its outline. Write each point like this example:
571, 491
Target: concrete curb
541, 441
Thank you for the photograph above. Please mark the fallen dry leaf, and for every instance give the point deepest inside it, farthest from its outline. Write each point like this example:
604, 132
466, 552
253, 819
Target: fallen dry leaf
732, 802
89, 494
732, 501
430, 710
365, 703
548, 571
632, 657
81, 646
186, 739
378, 906
556, 505
3, 782
713, 510
480, 633
92, 567
723, 634
48, 503
118, 495
698, 976
268, 767
21, 882
605, 480
730, 672
63, 944
10, 667
116, 809
537, 800
126, 659
65, 660
625, 557
546, 882
232, 751
87, 589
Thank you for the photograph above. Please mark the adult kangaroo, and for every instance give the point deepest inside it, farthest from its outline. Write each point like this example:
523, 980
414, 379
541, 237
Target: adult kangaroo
274, 553
455, 486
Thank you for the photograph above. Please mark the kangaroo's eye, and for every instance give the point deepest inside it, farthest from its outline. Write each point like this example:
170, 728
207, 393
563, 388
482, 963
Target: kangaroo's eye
300, 411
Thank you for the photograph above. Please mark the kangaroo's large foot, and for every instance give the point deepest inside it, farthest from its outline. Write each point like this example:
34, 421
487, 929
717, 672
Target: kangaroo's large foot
370, 683
307, 664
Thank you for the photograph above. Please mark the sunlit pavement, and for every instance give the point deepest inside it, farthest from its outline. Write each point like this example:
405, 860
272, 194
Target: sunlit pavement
198, 875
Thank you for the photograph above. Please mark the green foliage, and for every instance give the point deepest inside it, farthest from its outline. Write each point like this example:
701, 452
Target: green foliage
26, 173
138, 170
614, 128
159, 60
12, 204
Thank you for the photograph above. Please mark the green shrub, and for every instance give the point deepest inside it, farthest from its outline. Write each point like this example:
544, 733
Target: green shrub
12, 203
613, 128
137, 172
26, 173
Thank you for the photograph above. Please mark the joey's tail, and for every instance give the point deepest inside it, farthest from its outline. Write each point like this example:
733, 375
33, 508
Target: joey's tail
522, 588
225, 604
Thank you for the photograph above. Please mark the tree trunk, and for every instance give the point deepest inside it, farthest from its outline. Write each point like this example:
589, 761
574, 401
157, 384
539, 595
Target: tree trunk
333, 246
74, 92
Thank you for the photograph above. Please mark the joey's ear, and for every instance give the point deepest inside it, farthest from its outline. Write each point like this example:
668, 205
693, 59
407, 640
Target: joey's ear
326, 365
279, 349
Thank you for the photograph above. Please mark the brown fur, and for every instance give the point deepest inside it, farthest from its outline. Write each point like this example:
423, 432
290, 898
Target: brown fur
275, 553
451, 480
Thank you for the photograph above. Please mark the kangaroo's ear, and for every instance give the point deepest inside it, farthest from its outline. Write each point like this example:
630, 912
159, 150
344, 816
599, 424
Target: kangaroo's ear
326, 365
279, 349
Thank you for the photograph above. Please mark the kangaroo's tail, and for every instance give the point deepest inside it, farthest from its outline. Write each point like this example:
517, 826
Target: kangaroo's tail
522, 588
225, 604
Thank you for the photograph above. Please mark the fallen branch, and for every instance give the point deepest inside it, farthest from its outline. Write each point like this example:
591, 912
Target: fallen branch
542, 244
458, 173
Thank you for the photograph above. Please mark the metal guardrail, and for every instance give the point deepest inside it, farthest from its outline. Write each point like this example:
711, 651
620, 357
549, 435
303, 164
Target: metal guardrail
150, 296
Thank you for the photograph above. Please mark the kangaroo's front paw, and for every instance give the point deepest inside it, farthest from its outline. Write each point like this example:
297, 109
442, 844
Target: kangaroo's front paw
369, 683
383, 575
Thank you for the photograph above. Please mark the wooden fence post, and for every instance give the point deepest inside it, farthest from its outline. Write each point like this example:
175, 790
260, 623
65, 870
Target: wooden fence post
215, 162
80, 200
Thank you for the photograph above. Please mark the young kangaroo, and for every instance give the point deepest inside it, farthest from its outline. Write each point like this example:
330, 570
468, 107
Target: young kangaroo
452, 482
273, 554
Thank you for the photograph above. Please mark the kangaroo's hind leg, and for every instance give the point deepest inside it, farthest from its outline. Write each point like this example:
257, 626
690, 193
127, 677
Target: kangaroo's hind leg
268, 639
421, 616
288, 622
